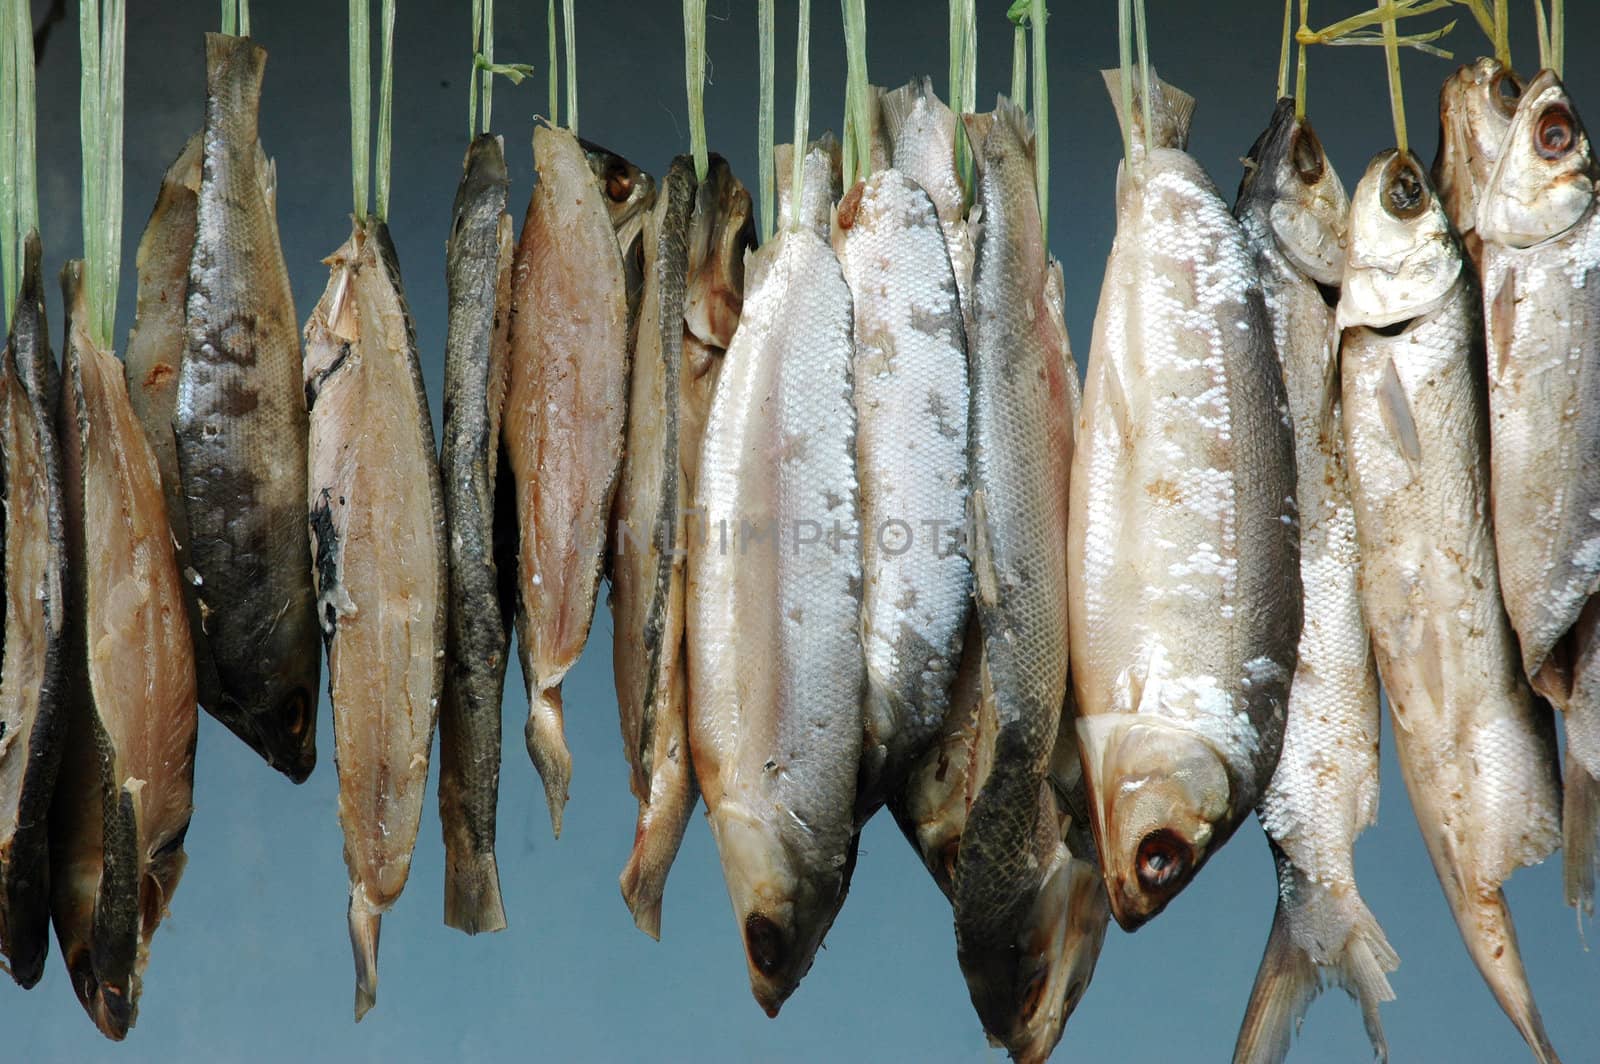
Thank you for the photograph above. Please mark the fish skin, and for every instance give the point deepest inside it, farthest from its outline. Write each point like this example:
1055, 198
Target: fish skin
155, 352
911, 401
922, 132
646, 566
630, 194
36, 582
1182, 654
125, 794
1020, 453
1415, 433
723, 233
1324, 793
821, 182
478, 279
566, 406
240, 427
776, 672
1475, 108
371, 457
1541, 271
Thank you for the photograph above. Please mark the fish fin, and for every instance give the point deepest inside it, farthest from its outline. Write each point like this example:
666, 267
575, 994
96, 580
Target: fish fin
365, 920
1395, 410
663, 819
978, 127
898, 104
1286, 984
1580, 820
986, 583
1431, 661
1503, 320
472, 901
1118, 399
547, 746
1016, 119
1172, 109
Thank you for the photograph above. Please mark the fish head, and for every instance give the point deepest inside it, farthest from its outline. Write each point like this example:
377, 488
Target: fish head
1544, 182
109, 1002
1161, 801
481, 195
1404, 259
783, 905
280, 722
1025, 996
722, 231
1475, 108
1289, 180
629, 191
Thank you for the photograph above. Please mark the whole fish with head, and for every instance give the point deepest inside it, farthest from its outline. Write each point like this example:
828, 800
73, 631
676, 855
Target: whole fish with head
565, 414
1324, 793
1475, 108
911, 401
33, 714
1183, 562
776, 674
630, 193
125, 795
378, 540
922, 131
239, 422
694, 247
1023, 394
478, 279
1476, 750
1541, 273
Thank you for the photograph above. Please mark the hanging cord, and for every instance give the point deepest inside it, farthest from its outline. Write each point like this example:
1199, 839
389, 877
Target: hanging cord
963, 82
1552, 33
1141, 29
1037, 21
361, 162
1018, 14
1125, 82
1495, 24
858, 106
10, 150
481, 81
1300, 66
1359, 29
1391, 54
101, 44
764, 117
569, 33
1284, 49
236, 18
555, 62
694, 74
802, 112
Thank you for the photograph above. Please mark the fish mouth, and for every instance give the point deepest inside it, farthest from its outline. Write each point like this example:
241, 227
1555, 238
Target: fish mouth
291, 746
108, 1005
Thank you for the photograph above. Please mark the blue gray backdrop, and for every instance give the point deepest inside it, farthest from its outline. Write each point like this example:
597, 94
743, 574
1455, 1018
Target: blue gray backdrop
254, 963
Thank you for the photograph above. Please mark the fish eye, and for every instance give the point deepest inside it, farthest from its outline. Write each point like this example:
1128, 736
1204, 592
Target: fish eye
1163, 859
1556, 134
1404, 194
619, 184
1033, 995
1306, 154
296, 712
1506, 90
764, 942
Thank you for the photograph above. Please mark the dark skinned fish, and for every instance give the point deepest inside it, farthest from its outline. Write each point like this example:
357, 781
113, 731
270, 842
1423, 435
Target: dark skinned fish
126, 790
240, 427
33, 718
378, 540
1540, 225
478, 278
565, 412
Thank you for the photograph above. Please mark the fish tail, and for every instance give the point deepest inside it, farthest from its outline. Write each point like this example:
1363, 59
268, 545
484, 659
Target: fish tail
1494, 950
472, 901
1286, 984
547, 746
365, 919
662, 822
1580, 821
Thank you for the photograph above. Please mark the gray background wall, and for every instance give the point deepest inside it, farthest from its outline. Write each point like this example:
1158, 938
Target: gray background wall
254, 963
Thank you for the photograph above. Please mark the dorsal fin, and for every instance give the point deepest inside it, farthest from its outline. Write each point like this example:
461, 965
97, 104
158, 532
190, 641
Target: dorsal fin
1171, 110
899, 104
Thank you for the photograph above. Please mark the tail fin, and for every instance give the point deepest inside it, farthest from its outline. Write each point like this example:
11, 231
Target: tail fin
1286, 984
472, 900
365, 920
547, 746
1580, 820
1171, 110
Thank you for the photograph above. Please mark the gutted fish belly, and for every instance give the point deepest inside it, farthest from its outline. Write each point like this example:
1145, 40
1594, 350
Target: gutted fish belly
1475, 108
922, 131
775, 666
155, 351
1476, 751
646, 563
125, 796
821, 182
1541, 272
1324, 793
240, 423
377, 538
1183, 560
911, 451
33, 718
478, 276
565, 411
